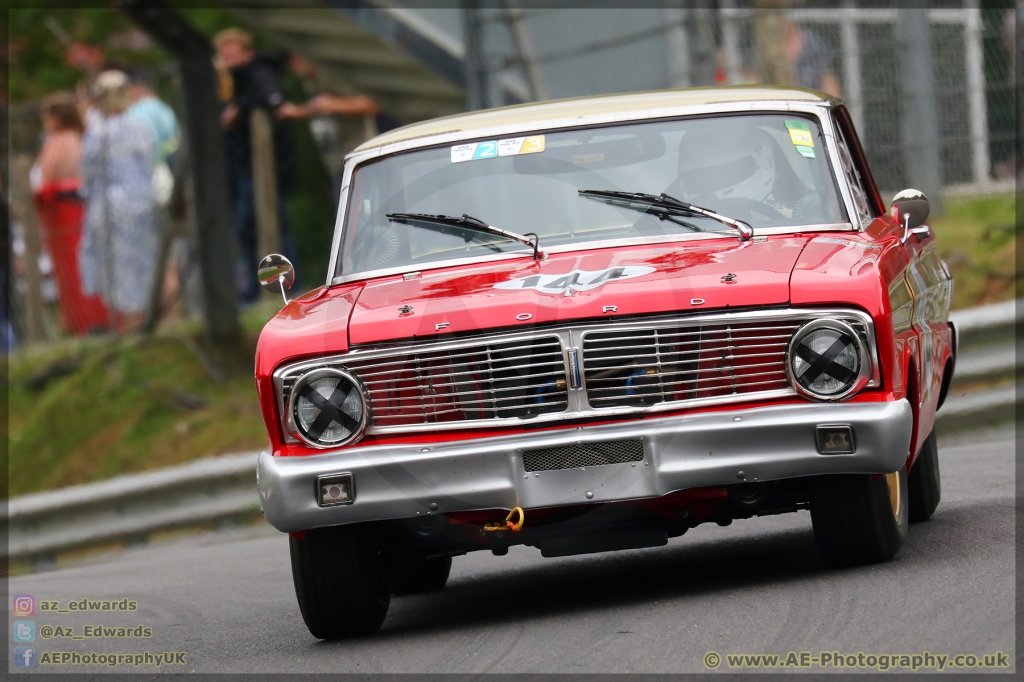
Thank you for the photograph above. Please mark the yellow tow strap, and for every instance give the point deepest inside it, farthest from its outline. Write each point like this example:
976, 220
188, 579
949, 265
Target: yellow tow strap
507, 523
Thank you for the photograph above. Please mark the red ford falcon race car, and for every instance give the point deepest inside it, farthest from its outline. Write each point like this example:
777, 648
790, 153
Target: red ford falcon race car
590, 325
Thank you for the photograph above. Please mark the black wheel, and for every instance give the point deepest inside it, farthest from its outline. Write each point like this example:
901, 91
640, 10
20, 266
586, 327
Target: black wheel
859, 518
417, 573
923, 482
342, 581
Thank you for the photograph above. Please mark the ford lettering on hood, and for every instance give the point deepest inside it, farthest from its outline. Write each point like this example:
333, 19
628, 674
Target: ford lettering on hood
610, 283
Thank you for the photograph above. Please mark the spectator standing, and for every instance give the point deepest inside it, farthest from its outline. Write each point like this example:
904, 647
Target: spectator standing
162, 123
56, 184
120, 241
255, 83
322, 108
809, 58
783, 53
154, 112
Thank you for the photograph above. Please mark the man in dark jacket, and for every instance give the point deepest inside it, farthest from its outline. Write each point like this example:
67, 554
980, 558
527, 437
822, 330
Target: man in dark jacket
255, 83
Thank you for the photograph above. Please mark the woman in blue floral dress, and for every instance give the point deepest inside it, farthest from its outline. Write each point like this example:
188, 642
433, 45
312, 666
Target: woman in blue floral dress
120, 240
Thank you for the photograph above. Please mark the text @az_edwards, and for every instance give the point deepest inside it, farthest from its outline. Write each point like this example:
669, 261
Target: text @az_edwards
97, 631
838, 660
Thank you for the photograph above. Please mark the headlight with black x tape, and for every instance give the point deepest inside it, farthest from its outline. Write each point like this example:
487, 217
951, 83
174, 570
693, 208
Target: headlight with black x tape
827, 360
327, 408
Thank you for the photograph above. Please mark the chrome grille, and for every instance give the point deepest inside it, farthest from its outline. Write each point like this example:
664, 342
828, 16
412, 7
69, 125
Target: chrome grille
517, 379
583, 455
643, 366
509, 379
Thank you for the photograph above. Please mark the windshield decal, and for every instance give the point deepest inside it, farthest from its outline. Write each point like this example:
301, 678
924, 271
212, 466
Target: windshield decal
521, 145
577, 280
800, 136
490, 149
474, 150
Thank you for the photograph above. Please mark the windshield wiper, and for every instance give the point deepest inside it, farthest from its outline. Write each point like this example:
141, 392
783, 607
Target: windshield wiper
664, 206
468, 222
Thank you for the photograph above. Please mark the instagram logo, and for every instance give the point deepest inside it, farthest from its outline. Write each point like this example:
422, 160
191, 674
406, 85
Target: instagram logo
24, 605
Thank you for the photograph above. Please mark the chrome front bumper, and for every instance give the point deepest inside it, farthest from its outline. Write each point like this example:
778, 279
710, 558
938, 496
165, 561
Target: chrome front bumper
688, 451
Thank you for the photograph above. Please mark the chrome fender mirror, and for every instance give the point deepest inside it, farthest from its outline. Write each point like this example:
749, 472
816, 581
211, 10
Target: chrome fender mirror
276, 274
910, 207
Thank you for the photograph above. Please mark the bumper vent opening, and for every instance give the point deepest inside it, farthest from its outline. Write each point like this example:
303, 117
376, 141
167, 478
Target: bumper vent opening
584, 455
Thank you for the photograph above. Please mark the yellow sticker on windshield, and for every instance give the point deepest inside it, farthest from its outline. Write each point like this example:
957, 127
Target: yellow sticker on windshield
799, 133
521, 145
801, 137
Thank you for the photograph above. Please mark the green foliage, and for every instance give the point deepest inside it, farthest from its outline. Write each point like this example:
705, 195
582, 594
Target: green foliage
39, 66
132, 405
977, 238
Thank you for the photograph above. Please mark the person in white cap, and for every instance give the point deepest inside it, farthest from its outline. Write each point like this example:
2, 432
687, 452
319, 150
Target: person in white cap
120, 240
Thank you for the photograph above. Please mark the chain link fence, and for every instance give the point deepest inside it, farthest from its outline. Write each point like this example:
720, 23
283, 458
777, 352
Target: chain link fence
851, 48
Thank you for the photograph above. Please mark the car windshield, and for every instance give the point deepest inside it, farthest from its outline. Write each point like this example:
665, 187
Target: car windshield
767, 170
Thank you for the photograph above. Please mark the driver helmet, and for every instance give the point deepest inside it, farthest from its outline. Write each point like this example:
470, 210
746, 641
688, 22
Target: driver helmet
726, 163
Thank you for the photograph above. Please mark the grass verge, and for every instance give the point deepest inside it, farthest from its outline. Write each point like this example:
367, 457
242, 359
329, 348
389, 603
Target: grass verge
87, 409
977, 238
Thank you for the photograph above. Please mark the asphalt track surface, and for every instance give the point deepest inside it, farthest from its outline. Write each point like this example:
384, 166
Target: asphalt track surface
758, 586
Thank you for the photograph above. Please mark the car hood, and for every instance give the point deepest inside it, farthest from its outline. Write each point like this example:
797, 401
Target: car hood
602, 283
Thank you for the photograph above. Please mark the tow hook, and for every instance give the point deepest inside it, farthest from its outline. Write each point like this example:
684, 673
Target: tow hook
507, 524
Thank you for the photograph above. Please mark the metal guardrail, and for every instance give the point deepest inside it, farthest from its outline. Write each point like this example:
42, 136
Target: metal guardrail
987, 325
124, 508
987, 354
130, 507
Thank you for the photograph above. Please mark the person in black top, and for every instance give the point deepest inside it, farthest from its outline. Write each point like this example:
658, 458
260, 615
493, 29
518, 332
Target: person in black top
324, 107
254, 82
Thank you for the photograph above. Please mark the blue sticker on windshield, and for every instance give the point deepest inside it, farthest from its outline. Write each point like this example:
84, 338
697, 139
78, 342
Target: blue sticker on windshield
474, 150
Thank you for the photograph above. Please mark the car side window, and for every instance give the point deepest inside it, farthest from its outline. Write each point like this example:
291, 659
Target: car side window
853, 178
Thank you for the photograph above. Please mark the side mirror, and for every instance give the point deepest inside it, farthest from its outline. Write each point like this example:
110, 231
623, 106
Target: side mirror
276, 274
910, 208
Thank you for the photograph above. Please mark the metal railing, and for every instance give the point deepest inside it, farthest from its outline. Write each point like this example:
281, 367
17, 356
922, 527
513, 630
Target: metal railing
130, 507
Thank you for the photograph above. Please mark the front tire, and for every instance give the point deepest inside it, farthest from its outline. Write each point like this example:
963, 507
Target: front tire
924, 483
859, 518
342, 581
